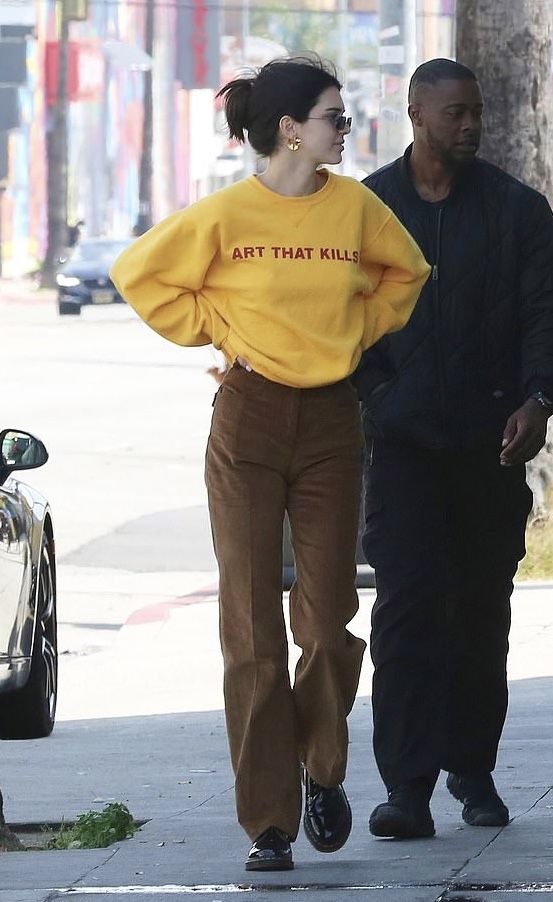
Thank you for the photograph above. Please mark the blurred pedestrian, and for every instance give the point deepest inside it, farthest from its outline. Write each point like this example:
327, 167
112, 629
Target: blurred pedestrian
453, 407
291, 273
74, 233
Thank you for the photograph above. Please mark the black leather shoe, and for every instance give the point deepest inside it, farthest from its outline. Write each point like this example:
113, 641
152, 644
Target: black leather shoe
406, 814
270, 852
482, 806
327, 816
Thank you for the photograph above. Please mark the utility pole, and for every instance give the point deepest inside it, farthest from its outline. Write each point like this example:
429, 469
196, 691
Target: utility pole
144, 220
56, 148
349, 155
249, 156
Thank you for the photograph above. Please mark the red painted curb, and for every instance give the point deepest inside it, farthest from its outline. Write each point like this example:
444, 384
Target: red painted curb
161, 611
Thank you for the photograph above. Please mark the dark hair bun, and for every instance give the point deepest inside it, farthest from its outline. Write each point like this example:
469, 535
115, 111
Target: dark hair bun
237, 94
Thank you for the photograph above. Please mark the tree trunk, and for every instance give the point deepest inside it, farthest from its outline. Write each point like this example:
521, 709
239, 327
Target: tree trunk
56, 145
508, 46
144, 219
9, 842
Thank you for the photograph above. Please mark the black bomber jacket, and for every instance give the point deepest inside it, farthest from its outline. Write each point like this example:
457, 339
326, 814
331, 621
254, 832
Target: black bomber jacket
480, 339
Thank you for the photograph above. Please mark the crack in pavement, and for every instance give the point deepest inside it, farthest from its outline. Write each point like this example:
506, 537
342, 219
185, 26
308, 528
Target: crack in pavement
505, 888
214, 795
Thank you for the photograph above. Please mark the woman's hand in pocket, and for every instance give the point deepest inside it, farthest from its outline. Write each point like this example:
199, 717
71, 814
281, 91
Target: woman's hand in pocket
245, 364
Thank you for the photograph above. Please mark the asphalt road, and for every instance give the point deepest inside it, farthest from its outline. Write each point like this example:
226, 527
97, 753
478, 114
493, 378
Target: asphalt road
124, 414
125, 417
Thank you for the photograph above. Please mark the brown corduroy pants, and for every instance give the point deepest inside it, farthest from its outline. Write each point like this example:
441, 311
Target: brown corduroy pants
274, 449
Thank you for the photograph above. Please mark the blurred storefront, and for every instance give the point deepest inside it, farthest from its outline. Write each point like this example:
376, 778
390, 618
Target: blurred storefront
21, 137
197, 46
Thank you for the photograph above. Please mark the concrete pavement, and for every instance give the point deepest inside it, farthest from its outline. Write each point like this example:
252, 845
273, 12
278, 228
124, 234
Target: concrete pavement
172, 770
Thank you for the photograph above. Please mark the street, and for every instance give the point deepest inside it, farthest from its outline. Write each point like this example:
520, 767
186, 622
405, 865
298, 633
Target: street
125, 416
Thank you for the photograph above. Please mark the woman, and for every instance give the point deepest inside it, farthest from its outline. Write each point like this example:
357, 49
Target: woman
292, 273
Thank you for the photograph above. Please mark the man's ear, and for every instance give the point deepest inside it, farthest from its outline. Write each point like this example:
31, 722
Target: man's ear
414, 112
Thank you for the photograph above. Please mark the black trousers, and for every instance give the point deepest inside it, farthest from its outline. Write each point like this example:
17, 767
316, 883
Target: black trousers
444, 532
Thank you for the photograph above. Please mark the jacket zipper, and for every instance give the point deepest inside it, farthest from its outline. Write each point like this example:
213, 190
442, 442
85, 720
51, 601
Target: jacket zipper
438, 319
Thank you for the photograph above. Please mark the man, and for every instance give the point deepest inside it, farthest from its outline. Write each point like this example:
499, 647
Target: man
74, 233
453, 406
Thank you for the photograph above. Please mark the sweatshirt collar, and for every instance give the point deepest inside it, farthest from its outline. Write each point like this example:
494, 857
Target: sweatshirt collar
305, 199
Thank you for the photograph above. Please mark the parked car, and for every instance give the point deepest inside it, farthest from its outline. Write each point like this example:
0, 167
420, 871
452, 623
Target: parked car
83, 278
28, 628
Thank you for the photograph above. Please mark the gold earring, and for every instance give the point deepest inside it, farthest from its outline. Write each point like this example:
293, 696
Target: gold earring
294, 144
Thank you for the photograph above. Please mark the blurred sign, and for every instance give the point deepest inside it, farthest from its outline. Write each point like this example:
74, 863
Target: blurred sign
3, 157
197, 62
18, 12
13, 62
75, 10
363, 40
85, 75
391, 55
237, 54
202, 140
9, 108
128, 55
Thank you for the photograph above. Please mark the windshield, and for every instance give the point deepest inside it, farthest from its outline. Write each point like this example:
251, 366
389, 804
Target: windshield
99, 250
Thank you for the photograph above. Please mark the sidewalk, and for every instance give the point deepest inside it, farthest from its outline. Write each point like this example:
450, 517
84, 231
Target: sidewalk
24, 291
172, 770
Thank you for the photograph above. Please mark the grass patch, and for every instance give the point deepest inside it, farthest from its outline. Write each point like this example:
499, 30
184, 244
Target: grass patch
538, 563
96, 829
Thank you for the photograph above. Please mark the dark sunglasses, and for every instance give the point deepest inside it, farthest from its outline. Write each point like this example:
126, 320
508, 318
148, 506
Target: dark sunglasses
340, 123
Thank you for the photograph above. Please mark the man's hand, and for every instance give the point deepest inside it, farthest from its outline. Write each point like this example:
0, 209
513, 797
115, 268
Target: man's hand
524, 434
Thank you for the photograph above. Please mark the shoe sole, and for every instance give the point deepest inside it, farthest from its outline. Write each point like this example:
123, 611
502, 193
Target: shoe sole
312, 837
269, 866
484, 818
398, 830
453, 788
315, 842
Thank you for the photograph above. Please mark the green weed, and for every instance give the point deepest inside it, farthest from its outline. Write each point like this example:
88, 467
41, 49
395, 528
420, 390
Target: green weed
96, 829
538, 563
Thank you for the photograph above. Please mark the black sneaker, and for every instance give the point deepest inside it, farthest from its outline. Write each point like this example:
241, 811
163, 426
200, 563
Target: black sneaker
482, 806
406, 814
271, 851
327, 816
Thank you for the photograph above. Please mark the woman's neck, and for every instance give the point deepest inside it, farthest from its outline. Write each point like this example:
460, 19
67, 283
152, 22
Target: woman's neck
292, 179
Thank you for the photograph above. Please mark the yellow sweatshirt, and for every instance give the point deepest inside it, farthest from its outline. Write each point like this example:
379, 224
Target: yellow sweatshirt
299, 286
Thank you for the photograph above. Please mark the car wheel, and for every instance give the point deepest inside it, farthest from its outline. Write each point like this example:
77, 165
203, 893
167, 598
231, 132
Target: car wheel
66, 308
30, 712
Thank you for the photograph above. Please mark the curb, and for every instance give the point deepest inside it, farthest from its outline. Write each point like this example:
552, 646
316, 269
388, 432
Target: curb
161, 611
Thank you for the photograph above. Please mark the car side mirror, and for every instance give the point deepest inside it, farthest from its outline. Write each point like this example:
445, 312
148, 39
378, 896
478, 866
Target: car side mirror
20, 451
